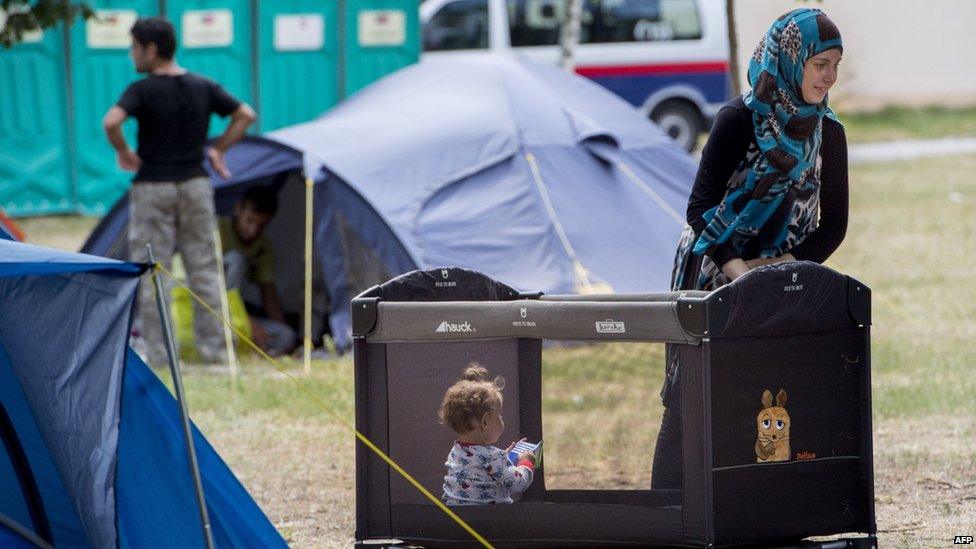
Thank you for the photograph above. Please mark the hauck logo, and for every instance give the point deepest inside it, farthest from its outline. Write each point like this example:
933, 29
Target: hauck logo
793, 287
455, 327
524, 313
445, 275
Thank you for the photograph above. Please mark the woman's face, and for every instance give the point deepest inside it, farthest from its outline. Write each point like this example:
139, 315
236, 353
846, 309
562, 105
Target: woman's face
819, 74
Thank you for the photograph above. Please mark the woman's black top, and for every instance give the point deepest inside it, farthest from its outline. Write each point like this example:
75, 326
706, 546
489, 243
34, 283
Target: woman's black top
731, 135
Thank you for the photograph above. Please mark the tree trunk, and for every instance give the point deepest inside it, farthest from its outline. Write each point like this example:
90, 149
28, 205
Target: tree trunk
733, 48
570, 35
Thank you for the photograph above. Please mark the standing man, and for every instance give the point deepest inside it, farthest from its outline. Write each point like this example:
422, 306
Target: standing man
171, 200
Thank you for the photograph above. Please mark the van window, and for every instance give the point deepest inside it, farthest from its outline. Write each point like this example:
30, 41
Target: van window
538, 22
459, 25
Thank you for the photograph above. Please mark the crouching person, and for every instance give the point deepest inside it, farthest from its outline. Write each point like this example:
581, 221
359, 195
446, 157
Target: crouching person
249, 255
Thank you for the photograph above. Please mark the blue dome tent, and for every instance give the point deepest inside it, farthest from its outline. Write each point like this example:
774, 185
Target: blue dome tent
92, 452
489, 162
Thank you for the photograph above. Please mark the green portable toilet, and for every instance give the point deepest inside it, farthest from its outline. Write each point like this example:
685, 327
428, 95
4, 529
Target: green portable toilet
298, 60
35, 166
214, 38
381, 37
100, 72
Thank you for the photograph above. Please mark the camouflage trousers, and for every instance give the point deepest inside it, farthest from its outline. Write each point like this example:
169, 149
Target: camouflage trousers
177, 217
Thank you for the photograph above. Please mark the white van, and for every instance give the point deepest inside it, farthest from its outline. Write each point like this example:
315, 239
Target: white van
669, 58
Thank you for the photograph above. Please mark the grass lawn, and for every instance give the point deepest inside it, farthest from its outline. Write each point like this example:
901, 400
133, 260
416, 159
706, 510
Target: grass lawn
894, 123
908, 123
912, 239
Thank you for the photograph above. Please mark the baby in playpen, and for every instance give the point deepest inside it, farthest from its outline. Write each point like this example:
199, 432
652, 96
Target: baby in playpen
478, 472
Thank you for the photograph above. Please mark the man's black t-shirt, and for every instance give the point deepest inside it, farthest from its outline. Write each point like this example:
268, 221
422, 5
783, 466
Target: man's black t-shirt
174, 116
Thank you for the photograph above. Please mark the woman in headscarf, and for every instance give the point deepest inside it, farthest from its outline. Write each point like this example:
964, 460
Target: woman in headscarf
771, 186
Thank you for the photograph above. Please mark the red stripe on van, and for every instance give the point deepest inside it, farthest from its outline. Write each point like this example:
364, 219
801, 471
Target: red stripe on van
633, 70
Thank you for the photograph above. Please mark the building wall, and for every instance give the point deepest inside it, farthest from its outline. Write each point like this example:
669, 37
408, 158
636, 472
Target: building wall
903, 52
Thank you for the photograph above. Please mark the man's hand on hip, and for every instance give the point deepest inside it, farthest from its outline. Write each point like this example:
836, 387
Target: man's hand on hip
128, 160
216, 158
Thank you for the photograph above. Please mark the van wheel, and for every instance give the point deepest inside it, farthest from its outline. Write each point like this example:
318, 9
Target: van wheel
681, 121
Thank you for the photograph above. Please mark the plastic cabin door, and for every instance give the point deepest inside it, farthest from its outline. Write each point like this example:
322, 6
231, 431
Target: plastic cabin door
101, 70
214, 38
298, 55
381, 37
35, 165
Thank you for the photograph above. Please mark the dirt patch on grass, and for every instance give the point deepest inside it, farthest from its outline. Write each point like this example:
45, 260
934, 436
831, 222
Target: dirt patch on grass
925, 480
302, 472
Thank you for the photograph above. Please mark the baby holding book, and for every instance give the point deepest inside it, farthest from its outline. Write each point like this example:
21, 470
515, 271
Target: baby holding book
478, 472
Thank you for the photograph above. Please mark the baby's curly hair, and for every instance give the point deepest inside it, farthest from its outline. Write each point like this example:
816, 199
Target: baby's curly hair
470, 398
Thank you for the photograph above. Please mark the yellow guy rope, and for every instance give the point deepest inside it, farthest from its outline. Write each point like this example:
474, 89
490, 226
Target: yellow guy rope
362, 438
651, 193
308, 275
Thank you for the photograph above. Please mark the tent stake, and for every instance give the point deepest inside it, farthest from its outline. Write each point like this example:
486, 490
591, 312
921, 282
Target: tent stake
184, 412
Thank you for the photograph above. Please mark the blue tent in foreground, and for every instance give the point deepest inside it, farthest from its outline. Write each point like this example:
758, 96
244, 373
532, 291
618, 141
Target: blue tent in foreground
92, 451
495, 163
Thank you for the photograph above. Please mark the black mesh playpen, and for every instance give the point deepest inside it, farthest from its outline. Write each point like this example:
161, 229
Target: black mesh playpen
796, 326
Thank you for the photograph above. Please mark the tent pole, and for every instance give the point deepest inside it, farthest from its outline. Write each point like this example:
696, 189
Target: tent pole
224, 306
184, 412
308, 275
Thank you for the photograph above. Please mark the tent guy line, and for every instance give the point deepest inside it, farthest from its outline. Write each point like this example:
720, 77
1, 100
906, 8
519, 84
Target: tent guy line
325, 407
581, 274
650, 192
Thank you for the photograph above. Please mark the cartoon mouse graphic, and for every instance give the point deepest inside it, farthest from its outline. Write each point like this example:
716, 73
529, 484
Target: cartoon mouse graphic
773, 425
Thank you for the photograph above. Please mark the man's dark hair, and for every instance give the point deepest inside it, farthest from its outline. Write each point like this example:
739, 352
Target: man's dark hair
260, 199
156, 30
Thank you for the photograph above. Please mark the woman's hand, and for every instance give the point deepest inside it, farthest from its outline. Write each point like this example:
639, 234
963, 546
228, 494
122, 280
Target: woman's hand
734, 268
763, 261
760, 262
529, 456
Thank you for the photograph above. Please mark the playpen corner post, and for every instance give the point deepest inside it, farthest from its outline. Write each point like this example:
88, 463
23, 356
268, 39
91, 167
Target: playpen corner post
361, 395
868, 451
696, 452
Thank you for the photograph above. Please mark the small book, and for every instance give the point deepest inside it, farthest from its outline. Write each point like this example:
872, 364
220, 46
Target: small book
522, 447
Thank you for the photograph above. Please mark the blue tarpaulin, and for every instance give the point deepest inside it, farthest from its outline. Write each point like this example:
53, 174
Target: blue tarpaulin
92, 452
491, 162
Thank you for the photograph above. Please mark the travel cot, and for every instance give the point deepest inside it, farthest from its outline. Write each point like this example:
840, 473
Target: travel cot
797, 330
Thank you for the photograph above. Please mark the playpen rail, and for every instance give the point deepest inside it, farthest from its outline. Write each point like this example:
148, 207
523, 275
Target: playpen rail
655, 321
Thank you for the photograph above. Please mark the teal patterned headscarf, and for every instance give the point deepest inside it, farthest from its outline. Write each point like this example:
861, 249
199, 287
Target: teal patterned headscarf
787, 128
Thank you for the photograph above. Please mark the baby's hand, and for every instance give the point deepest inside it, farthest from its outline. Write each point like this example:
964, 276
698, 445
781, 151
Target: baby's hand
512, 445
529, 456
